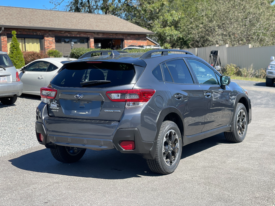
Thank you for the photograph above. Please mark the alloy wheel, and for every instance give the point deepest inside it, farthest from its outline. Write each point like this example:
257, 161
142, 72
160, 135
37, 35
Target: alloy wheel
170, 147
241, 123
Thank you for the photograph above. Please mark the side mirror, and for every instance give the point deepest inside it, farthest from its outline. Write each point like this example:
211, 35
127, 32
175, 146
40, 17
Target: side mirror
272, 58
225, 80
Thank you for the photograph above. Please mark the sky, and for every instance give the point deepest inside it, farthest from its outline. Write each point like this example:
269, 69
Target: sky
36, 4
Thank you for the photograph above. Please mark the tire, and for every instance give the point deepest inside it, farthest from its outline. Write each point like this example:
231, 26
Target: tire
67, 154
269, 82
8, 100
239, 126
159, 165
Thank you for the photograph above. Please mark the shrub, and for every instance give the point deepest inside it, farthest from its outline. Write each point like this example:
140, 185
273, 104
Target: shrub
15, 54
54, 53
261, 73
231, 70
31, 56
78, 52
139, 50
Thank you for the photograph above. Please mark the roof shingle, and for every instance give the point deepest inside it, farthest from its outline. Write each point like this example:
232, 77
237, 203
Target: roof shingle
15, 17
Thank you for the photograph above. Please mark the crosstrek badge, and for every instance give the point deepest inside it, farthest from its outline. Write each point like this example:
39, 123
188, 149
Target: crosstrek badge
54, 105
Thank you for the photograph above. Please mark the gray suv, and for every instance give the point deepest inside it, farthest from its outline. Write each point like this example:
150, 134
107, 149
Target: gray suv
10, 84
151, 104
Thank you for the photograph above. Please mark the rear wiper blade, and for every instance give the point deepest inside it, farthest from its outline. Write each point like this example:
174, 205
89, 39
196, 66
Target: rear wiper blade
2, 67
95, 82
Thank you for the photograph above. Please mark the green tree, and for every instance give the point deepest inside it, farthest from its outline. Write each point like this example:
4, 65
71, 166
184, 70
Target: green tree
237, 22
112, 7
160, 17
16, 54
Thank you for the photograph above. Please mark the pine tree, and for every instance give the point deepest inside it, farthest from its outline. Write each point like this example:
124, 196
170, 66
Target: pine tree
16, 54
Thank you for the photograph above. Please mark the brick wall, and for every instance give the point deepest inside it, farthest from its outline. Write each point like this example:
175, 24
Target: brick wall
49, 37
4, 43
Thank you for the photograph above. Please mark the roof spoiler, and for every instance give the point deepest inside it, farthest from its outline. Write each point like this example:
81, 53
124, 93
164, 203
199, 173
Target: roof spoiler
164, 52
102, 53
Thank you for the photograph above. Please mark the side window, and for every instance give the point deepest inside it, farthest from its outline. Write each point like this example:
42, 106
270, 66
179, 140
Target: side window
38, 67
204, 74
157, 73
167, 75
179, 72
51, 68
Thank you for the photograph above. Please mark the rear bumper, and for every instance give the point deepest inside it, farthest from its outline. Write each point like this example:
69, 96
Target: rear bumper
110, 138
11, 89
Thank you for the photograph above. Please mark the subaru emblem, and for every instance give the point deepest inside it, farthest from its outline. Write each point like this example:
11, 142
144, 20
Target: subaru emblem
78, 96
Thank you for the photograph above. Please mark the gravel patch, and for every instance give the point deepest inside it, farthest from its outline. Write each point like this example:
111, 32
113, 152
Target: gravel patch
17, 125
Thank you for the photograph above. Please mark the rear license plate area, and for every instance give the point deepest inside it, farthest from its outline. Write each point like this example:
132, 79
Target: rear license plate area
4, 79
81, 108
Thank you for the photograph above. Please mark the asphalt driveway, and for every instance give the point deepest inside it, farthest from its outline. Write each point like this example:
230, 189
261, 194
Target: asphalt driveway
211, 171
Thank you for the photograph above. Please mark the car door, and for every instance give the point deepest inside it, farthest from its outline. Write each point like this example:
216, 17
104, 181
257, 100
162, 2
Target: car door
185, 95
217, 100
33, 77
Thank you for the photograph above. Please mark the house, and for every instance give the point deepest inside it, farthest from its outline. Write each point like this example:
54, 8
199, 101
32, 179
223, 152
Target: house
46, 29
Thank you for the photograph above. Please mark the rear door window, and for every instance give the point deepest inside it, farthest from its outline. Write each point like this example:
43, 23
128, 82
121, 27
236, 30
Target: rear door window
5, 61
167, 74
179, 72
75, 74
157, 73
39, 66
52, 68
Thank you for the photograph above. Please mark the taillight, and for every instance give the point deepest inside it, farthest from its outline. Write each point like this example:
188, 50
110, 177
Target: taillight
17, 77
127, 145
133, 97
47, 94
40, 137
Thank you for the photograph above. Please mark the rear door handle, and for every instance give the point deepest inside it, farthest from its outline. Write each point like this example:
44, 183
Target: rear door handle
179, 96
207, 94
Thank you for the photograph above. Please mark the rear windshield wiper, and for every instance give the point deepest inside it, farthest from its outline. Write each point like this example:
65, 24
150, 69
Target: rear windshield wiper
2, 67
94, 82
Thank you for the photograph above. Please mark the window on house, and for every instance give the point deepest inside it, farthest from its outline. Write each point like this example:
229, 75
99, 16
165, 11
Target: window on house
27, 44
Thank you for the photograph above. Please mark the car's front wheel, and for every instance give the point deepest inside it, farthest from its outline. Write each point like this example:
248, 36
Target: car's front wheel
168, 149
8, 100
67, 154
240, 124
269, 82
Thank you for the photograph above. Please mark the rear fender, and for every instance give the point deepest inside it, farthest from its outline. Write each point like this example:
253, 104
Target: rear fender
160, 119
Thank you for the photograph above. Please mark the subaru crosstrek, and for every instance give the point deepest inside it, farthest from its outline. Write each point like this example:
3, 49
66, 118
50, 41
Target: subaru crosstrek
150, 104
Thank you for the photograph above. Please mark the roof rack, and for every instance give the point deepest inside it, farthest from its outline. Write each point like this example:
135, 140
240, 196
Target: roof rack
164, 52
102, 53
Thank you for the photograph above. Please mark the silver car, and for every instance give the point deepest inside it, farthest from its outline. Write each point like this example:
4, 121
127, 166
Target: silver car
270, 73
10, 85
39, 73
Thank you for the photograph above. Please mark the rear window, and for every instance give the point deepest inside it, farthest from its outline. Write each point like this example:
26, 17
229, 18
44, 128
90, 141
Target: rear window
75, 74
5, 61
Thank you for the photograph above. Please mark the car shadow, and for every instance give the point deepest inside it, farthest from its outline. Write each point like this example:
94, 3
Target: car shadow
260, 84
4, 106
29, 96
109, 164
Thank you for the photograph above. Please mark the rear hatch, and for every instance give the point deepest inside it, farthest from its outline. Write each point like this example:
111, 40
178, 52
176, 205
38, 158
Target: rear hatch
81, 89
7, 70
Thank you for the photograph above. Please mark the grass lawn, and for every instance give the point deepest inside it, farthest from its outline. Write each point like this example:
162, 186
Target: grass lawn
248, 78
